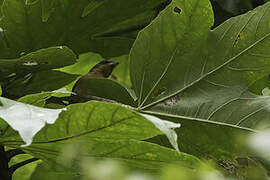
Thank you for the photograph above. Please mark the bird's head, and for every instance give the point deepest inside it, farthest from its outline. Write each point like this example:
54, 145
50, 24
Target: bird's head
104, 68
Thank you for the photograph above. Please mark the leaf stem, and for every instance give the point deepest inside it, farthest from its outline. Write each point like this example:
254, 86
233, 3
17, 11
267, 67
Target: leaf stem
11, 153
4, 173
14, 167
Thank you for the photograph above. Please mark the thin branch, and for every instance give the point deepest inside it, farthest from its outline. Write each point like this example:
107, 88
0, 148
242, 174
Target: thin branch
4, 173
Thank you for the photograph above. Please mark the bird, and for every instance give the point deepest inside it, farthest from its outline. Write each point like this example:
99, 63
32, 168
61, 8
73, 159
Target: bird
101, 70
81, 94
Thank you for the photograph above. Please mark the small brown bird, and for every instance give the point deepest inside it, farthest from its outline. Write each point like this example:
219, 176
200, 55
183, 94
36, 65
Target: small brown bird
101, 70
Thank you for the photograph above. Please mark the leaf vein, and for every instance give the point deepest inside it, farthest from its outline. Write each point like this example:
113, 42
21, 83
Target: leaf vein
210, 72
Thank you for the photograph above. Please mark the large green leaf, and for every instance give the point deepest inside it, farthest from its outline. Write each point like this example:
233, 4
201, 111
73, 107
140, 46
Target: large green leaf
105, 27
189, 74
102, 130
93, 120
98, 120
170, 47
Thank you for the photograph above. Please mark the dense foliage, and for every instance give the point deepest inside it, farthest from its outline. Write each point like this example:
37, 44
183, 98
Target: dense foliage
181, 63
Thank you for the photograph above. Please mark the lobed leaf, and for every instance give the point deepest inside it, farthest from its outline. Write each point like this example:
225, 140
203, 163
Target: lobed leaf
189, 74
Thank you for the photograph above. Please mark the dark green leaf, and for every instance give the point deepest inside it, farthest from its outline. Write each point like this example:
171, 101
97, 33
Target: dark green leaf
37, 82
107, 89
260, 84
40, 60
106, 27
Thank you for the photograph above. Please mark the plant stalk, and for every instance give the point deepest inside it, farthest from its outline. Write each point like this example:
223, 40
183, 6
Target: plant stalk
4, 171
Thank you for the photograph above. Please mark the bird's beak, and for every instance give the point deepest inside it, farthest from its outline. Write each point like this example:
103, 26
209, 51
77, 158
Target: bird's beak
114, 63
